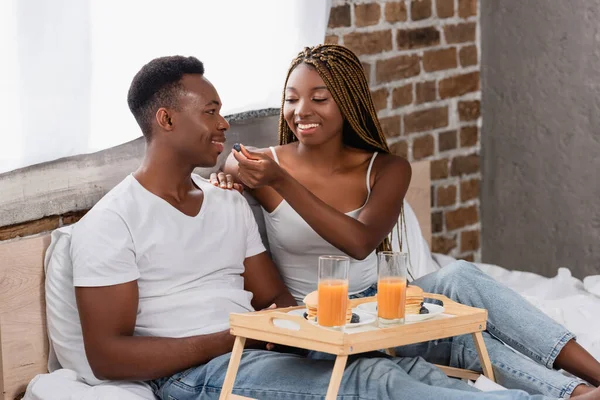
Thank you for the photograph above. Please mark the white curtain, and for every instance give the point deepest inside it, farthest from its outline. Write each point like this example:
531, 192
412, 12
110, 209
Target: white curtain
66, 65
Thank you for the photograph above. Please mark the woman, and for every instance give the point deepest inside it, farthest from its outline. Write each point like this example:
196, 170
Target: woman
332, 187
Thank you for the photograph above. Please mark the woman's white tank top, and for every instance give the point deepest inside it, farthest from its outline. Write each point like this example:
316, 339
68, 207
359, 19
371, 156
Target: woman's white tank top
296, 247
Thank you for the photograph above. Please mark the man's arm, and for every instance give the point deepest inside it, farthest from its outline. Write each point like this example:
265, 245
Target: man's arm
108, 316
262, 279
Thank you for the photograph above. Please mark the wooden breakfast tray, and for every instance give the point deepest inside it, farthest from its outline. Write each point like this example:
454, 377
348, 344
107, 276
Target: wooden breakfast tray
457, 319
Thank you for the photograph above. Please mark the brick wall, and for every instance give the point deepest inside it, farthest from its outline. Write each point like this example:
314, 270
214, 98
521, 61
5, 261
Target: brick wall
422, 61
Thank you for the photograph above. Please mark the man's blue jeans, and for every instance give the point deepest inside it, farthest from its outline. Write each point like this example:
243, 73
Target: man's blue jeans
278, 376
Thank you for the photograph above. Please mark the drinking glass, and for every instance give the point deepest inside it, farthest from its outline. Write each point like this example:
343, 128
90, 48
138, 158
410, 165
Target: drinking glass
332, 306
391, 287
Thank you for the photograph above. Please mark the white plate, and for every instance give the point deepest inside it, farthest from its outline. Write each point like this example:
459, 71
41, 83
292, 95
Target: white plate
365, 317
434, 310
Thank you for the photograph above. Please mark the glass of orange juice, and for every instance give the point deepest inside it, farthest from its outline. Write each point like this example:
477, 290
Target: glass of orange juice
333, 291
391, 287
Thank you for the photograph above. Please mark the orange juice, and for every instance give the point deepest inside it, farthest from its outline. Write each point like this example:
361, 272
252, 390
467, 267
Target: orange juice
333, 302
391, 297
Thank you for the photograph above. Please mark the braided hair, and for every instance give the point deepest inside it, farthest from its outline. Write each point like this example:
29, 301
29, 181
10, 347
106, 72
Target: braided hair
345, 79
344, 76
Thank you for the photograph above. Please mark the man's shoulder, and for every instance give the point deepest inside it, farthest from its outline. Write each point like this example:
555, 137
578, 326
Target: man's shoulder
225, 198
113, 205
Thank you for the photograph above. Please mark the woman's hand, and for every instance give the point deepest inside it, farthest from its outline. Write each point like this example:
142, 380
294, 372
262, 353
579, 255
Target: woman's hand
257, 169
225, 181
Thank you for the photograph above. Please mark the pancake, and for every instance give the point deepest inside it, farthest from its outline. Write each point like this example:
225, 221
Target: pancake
414, 299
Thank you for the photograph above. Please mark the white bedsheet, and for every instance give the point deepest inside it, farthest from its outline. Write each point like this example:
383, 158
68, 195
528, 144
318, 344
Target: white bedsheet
566, 299
569, 301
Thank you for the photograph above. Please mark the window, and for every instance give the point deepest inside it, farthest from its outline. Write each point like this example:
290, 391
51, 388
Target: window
67, 65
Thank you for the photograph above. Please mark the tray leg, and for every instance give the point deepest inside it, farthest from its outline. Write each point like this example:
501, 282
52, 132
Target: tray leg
459, 372
484, 357
391, 352
336, 377
234, 363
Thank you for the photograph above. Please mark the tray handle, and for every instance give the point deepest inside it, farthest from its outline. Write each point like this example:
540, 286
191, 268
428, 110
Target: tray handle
263, 319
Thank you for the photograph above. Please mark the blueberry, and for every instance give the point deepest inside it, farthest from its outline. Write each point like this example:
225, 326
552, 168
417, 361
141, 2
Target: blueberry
355, 319
237, 147
305, 315
423, 310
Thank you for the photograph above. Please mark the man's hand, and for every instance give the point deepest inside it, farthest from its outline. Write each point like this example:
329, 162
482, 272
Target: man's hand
225, 181
280, 348
271, 346
257, 169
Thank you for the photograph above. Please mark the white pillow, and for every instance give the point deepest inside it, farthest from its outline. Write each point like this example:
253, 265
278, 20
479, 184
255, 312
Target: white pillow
64, 327
420, 261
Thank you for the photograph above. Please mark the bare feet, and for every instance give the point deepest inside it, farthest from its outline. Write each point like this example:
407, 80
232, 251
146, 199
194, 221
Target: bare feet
593, 394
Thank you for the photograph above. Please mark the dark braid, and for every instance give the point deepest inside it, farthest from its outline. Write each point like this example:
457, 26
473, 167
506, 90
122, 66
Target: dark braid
344, 76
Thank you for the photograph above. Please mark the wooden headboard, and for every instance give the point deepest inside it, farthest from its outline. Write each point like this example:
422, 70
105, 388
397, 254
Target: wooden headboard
23, 340
23, 343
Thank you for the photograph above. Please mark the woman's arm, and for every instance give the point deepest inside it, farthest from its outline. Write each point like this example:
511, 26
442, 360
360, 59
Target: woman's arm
355, 237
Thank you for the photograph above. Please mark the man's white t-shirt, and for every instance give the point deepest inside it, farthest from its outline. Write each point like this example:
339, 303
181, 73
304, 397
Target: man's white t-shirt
187, 268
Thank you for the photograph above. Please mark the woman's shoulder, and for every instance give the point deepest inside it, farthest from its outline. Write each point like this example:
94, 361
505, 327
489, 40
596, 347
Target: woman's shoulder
387, 162
285, 147
282, 150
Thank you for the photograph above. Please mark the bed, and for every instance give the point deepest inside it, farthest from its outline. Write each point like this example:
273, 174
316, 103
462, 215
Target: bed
23, 337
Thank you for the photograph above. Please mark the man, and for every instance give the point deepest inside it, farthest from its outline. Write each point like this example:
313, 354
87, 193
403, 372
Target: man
164, 258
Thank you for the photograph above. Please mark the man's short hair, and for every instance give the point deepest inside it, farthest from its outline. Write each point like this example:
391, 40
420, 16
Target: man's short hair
158, 84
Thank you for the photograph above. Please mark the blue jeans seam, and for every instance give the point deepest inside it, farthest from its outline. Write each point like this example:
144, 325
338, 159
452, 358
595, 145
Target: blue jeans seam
562, 341
494, 331
186, 387
568, 389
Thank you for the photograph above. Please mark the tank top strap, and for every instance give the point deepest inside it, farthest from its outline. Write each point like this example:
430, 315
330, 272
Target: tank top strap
368, 172
275, 155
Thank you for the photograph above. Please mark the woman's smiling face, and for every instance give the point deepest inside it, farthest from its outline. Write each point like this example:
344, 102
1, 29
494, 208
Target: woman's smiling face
309, 109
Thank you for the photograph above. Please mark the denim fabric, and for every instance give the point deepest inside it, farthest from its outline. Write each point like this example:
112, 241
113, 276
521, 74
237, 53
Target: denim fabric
511, 320
374, 376
368, 292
